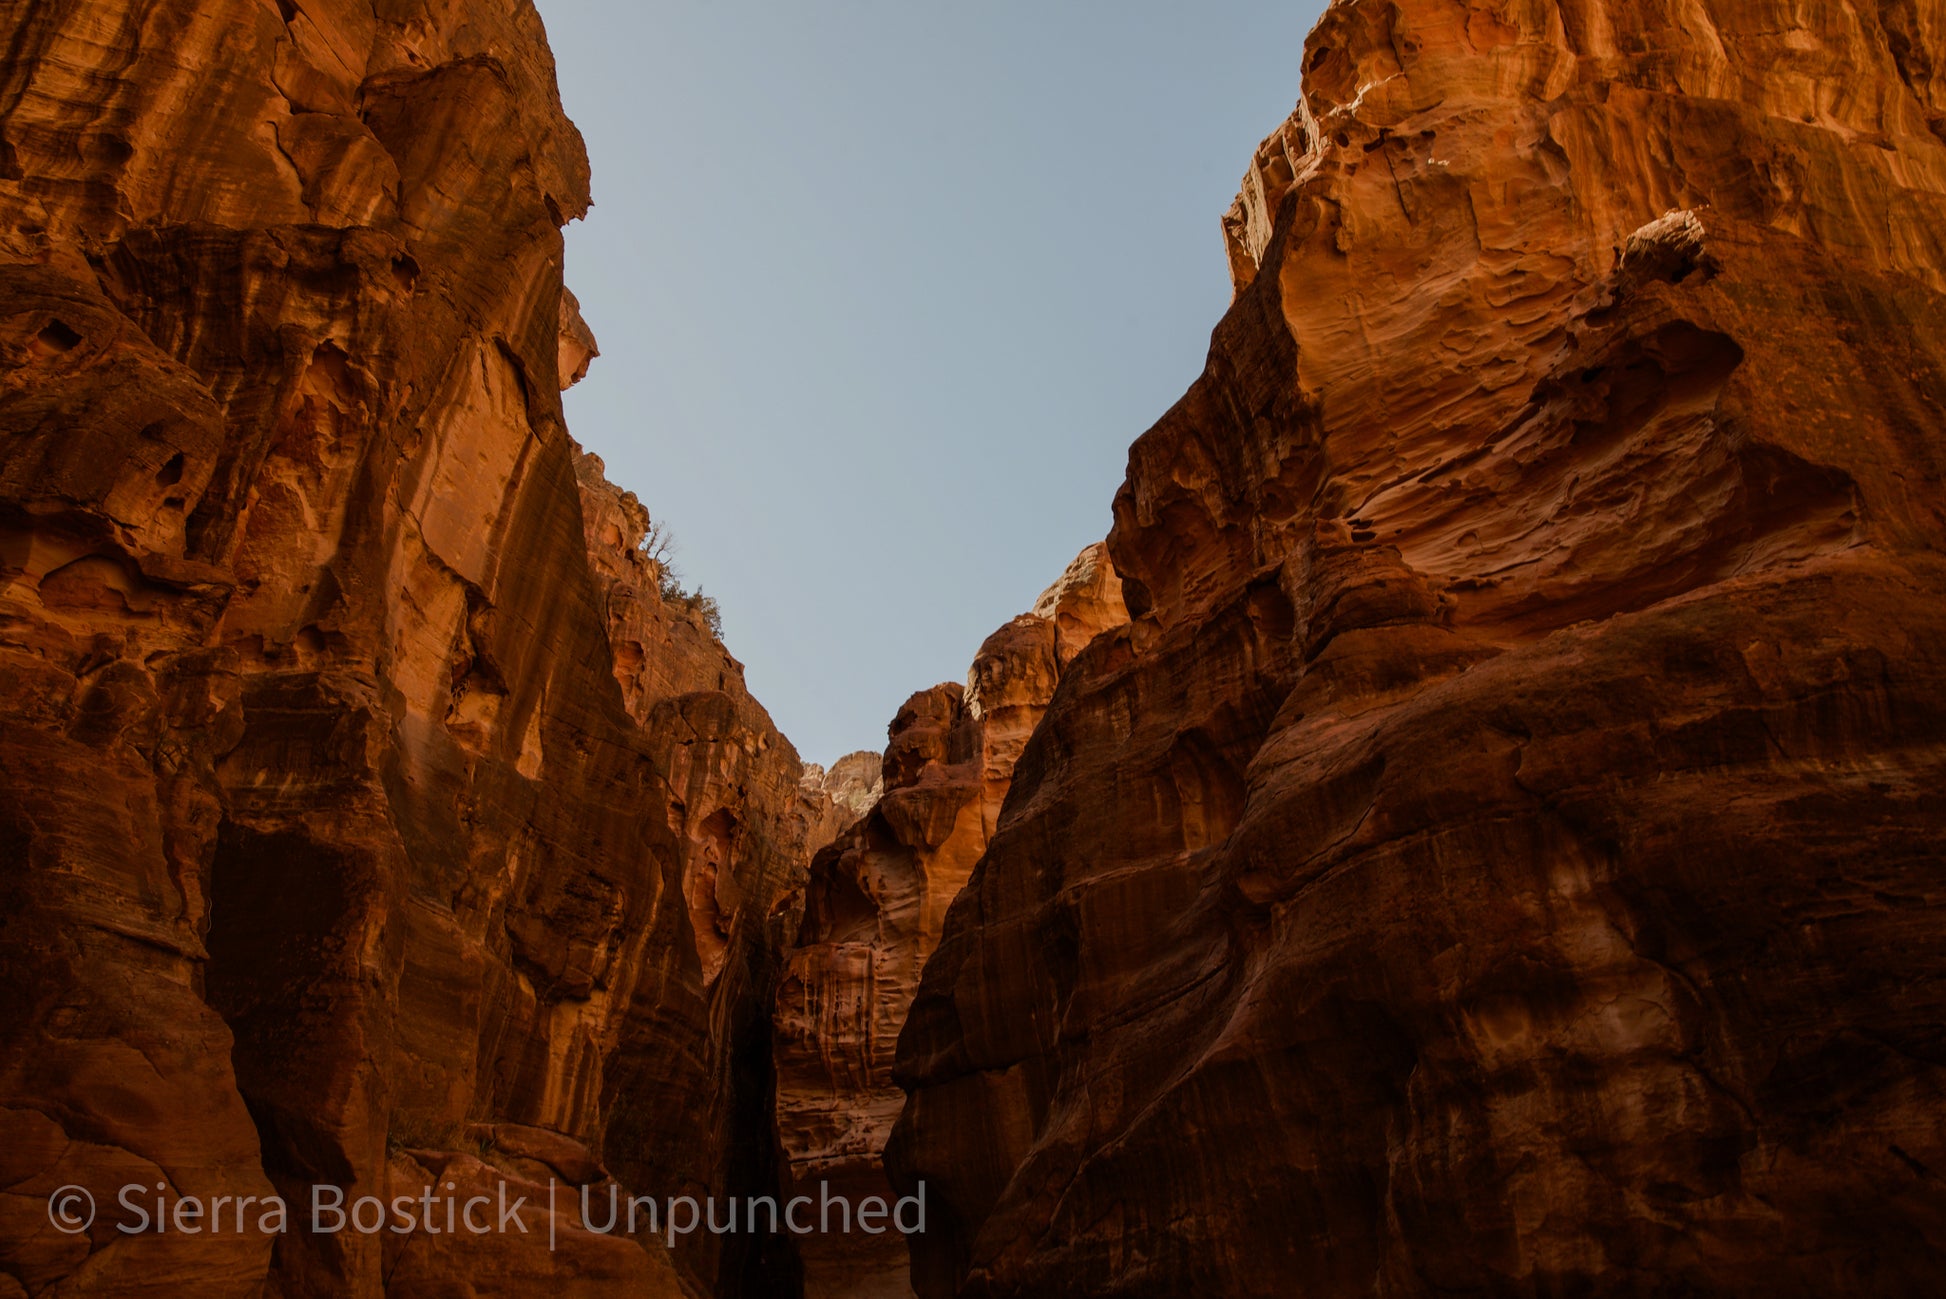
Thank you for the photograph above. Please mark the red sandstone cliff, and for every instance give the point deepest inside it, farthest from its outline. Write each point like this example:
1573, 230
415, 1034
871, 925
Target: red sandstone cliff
366, 817
1502, 855
874, 907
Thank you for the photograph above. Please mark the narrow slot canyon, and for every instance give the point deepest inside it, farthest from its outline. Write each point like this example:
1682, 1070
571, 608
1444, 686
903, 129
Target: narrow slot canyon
1471, 827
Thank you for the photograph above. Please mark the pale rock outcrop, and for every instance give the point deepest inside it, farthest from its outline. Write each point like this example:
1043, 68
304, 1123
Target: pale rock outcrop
853, 782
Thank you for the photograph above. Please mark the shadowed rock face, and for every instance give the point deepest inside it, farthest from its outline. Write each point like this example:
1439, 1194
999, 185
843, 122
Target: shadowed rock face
365, 817
874, 906
1502, 854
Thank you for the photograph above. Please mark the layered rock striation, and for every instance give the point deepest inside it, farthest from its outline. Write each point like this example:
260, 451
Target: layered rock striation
367, 818
874, 908
1502, 853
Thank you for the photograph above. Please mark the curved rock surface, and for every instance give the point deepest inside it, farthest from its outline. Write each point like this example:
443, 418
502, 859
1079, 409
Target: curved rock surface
1502, 856
367, 819
874, 907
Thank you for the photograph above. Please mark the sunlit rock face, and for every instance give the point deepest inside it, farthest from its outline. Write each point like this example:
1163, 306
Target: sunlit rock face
1502, 855
874, 907
853, 783
366, 817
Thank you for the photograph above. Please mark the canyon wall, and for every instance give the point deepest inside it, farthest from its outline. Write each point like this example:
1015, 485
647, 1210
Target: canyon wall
874, 907
1502, 853
367, 815
1493, 850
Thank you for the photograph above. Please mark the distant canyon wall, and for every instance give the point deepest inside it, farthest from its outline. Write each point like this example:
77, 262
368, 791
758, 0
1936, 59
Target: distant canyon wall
876, 902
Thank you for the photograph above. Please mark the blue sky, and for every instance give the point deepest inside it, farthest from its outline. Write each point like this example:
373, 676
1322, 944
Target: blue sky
885, 289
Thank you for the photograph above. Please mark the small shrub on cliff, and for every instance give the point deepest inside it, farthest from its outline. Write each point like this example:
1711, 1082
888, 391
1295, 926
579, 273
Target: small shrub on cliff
660, 547
415, 1132
658, 544
696, 602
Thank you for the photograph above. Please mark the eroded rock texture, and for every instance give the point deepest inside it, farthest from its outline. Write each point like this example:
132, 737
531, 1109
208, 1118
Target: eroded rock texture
366, 818
873, 911
853, 782
1503, 854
